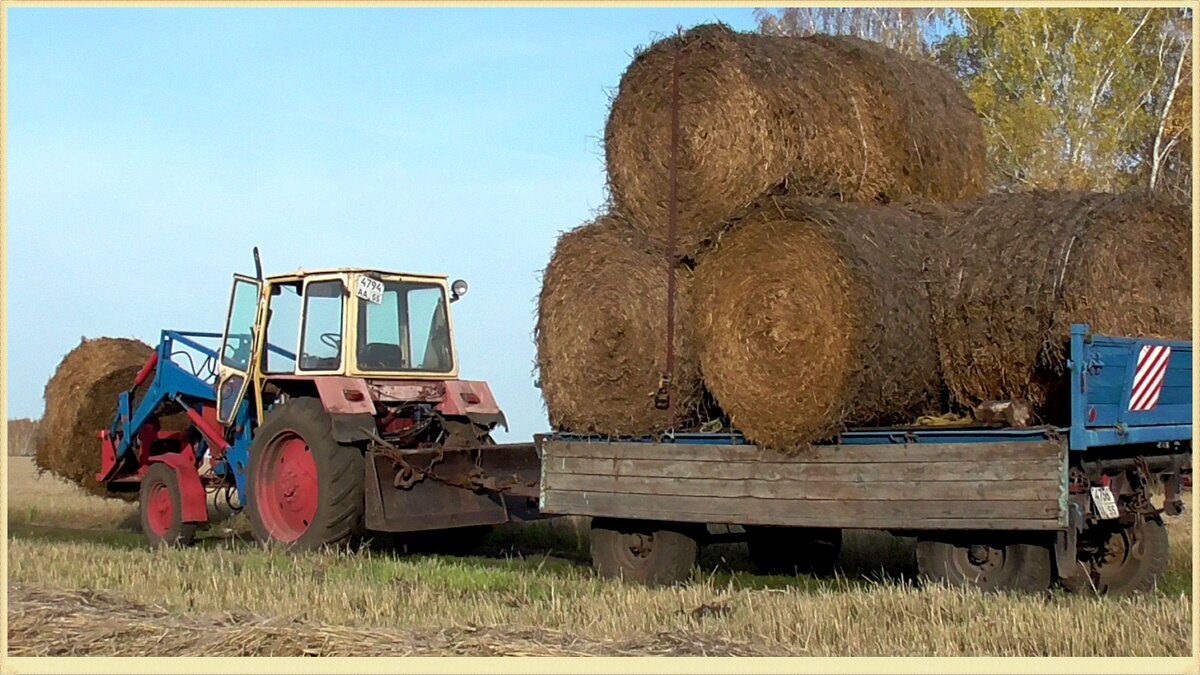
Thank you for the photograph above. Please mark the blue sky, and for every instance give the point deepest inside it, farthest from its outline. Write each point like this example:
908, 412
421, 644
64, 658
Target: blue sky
150, 149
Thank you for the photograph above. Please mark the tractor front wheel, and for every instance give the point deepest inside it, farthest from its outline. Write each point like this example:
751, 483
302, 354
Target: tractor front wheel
161, 507
305, 489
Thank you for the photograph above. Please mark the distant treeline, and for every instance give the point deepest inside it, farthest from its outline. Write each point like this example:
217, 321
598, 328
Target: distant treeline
20, 436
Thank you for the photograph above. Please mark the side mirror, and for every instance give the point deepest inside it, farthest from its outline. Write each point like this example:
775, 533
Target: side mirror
457, 290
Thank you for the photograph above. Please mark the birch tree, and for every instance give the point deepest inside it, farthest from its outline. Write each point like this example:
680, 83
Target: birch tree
911, 30
1076, 98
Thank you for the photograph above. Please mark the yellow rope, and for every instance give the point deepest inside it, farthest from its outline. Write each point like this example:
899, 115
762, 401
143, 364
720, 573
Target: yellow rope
946, 420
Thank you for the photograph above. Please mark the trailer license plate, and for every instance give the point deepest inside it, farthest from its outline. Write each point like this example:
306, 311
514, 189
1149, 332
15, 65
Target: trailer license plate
1106, 504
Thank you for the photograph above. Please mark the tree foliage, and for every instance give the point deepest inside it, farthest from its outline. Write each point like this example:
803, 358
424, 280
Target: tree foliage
1093, 98
905, 29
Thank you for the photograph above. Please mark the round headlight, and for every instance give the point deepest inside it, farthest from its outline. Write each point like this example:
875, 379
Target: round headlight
458, 288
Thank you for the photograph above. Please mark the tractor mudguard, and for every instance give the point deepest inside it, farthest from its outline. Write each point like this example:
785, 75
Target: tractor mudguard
345, 395
194, 505
352, 428
473, 400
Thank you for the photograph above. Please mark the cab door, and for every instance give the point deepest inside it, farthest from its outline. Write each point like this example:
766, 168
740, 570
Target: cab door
238, 346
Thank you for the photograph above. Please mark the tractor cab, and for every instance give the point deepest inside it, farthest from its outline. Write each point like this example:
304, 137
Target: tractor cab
352, 323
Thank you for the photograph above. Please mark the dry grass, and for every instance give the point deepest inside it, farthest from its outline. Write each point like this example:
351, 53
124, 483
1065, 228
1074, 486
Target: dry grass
88, 597
46, 500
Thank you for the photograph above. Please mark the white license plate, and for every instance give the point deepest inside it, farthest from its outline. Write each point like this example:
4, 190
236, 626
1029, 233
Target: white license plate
1106, 503
370, 290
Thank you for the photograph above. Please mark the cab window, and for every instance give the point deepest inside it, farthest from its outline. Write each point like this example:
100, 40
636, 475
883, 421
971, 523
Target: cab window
406, 331
321, 337
283, 328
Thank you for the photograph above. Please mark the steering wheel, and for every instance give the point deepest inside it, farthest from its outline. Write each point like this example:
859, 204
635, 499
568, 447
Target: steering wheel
332, 340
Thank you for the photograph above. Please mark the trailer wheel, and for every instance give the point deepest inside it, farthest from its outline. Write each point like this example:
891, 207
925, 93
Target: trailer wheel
995, 565
305, 489
161, 507
1125, 560
794, 550
644, 553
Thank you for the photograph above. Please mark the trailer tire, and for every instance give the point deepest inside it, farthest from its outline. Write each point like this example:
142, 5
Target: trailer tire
644, 553
972, 561
160, 504
305, 490
794, 550
1136, 561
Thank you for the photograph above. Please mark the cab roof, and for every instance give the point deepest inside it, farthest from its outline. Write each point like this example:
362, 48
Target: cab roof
349, 270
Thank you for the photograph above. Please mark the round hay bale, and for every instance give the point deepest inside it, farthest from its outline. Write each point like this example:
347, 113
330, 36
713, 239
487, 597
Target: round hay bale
1019, 269
813, 317
829, 116
933, 123
602, 333
81, 399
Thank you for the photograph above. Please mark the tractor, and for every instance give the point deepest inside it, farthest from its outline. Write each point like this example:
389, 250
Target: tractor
329, 409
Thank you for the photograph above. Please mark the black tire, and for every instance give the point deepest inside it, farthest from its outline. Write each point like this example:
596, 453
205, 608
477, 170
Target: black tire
995, 565
1135, 560
340, 473
794, 550
643, 553
161, 509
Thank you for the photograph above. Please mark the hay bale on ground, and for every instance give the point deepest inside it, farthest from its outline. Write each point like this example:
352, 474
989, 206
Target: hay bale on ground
81, 399
601, 333
828, 116
1019, 269
815, 316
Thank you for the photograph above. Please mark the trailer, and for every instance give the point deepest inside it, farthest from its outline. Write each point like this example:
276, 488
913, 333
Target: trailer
995, 507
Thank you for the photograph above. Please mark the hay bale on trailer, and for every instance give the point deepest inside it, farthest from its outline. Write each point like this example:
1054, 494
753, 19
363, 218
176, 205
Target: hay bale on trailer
81, 399
601, 333
827, 116
1019, 269
813, 316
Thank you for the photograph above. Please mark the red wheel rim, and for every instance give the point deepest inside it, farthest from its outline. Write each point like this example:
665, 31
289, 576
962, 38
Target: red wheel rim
160, 510
285, 489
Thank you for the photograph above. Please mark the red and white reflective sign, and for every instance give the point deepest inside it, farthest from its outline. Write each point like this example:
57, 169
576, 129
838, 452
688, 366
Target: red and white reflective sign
1148, 381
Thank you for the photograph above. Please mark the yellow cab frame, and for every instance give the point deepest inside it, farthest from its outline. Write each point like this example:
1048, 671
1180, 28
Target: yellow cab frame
234, 381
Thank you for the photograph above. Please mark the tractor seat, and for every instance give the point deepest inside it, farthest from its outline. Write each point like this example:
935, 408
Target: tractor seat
380, 356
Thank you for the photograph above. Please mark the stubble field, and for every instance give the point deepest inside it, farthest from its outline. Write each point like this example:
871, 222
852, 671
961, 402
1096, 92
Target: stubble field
81, 583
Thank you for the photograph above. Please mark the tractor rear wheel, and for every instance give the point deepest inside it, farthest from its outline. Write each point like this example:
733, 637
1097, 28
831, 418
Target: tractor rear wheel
642, 552
794, 550
161, 507
305, 489
986, 563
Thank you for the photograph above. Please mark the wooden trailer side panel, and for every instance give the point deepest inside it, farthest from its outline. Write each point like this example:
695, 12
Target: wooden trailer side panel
943, 486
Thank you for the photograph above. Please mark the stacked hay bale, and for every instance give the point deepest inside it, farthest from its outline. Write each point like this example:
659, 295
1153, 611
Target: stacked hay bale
601, 333
759, 115
1019, 269
81, 399
812, 316
825, 116
839, 264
